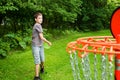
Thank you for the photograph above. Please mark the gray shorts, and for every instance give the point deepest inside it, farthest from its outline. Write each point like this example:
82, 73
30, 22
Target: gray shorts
38, 54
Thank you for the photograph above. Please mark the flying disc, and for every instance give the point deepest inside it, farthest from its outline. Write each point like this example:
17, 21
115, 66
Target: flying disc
46, 46
115, 23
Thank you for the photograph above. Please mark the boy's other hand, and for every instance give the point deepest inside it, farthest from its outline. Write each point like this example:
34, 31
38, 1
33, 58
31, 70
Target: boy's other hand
49, 43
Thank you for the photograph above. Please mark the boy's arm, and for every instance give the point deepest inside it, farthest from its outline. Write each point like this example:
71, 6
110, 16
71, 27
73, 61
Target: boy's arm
45, 40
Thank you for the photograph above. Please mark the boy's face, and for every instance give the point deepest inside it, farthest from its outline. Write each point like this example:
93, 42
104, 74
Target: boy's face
39, 19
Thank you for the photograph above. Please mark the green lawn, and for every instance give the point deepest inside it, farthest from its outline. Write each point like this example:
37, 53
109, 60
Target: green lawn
19, 64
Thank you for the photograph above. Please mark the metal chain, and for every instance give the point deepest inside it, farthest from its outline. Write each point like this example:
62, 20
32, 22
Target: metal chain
83, 68
76, 66
110, 71
95, 67
88, 68
107, 67
85, 64
103, 69
73, 67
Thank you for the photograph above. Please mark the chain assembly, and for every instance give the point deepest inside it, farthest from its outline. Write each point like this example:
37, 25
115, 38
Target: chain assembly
104, 46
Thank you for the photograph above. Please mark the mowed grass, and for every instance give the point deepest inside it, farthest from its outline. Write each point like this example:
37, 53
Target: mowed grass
19, 65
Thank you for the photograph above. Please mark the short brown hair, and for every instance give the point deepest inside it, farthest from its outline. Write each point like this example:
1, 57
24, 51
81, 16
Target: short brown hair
37, 14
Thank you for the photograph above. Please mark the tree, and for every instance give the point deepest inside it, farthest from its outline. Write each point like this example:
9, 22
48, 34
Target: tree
59, 13
6, 5
17, 14
95, 15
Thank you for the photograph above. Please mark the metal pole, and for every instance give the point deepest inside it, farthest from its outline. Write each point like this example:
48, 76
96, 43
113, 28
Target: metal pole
117, 61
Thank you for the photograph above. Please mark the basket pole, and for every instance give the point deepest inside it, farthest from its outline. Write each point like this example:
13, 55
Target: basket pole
117, 61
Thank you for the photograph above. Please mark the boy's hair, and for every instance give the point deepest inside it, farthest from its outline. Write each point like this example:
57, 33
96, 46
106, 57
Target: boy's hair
37, 14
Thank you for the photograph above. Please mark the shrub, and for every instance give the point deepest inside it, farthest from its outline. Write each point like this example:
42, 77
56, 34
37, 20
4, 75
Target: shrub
3, 53
4, 48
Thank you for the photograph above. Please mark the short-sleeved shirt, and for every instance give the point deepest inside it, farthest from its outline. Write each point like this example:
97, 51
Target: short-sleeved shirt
36, 41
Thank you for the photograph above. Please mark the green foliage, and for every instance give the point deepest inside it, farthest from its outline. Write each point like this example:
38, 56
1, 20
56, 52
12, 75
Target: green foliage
95, 15
56, 14
3, 53
4, 48
18, 39
13, 39
47, 34
59, 14
82, 15
56, 34
6, 5
22, 44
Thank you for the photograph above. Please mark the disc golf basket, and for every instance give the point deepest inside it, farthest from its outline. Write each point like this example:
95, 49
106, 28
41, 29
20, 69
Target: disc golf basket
97, 57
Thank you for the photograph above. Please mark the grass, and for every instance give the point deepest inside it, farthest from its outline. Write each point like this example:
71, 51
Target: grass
19, 65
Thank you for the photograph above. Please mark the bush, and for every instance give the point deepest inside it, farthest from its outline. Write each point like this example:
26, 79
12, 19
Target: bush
4, 48
20, 40
3, 53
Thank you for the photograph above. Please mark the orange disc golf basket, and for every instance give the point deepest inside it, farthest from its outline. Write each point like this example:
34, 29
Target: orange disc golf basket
97, 57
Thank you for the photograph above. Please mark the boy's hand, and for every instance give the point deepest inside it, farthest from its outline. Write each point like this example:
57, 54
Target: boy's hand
49, 43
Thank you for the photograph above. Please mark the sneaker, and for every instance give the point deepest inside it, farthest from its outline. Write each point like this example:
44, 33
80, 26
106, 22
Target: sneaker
37, 78
42, 70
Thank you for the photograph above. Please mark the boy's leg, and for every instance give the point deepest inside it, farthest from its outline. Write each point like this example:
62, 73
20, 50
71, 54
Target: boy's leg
36, 61
37, 77
42, 57
42, 67
37, 67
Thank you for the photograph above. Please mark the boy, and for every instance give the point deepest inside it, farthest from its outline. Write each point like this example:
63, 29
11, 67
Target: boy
37, 45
